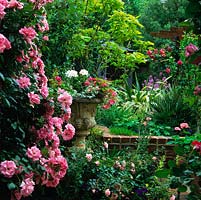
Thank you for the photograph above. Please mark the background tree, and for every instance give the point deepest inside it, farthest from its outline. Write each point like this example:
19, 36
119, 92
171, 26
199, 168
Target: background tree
94, 35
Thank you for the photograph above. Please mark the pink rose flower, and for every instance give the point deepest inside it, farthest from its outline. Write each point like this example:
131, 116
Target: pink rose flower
167, 70
97, 163
15, 4
2, 13
4, 3
4, 42
105, 144
44, 91
28, 33
177, 129
111, 101
179, 62
65, 99
184, 125
88, 157
106, 106
45, 37
190, 49
16, 195
107, 192
24, 82
197, 90
34, 98
34, 153
69, 132
173, 197
27, 187
7, 168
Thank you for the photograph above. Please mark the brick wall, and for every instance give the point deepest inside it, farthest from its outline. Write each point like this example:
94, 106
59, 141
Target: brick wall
158, 143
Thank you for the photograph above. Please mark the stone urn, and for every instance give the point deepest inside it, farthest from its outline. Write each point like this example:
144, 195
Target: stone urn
83, 112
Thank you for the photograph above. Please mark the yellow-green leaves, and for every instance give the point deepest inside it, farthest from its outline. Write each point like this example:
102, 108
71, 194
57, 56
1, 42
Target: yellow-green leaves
124, 27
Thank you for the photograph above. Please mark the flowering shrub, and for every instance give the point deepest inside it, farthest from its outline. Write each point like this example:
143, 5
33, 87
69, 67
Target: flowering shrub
185, 169
32, 121
100, 173
82, 85
183, 129
183, 76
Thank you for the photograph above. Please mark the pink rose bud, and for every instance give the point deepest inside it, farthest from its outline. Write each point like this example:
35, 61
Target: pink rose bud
107, 192
179, 62
167, 70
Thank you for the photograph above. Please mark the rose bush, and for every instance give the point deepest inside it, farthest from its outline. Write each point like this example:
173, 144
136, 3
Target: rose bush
33, 120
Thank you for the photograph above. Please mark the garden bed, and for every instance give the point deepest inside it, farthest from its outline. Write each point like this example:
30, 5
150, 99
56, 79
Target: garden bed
156, 143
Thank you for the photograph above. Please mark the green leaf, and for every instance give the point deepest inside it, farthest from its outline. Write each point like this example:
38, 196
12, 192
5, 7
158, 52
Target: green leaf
163, 173
17, 158
198, 173
171, 163
11, 186
182, 188
14, 125
7, 102
179, 150
2, 76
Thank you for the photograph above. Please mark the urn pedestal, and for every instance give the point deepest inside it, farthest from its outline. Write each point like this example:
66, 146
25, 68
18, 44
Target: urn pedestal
83, 112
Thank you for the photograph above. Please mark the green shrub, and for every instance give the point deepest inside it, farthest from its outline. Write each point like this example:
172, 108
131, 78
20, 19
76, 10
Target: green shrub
170, 109
121, 131
125, 173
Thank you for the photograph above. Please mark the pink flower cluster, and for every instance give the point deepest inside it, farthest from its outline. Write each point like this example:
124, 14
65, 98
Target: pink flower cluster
153, 54
182, 126
38, 4
4, 4
55, 169
102, 87
190, 49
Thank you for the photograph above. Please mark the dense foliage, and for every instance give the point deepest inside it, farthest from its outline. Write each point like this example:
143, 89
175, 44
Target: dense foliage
94, 35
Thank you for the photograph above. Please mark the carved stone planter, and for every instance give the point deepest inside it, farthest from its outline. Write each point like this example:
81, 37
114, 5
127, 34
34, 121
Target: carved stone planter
83, 118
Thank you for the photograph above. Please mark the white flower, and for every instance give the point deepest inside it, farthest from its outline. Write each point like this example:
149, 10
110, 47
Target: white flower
71, 73
83, 72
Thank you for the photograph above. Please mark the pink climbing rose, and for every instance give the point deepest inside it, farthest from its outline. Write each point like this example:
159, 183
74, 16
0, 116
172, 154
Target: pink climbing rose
107, 192
184, 125
65, 99
7, 168
34, 153
28, 33
69, 132
27, 187
34, 98
4, 42
24, 82
89, 157
190, 49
